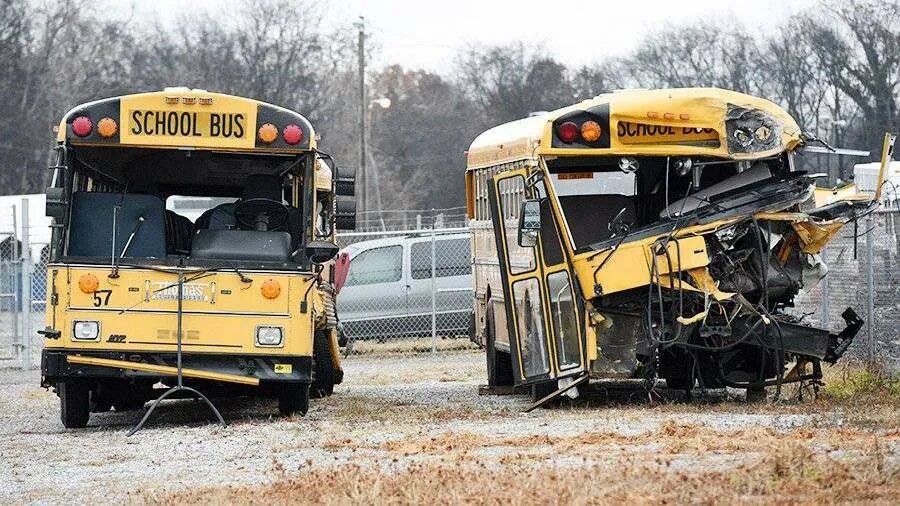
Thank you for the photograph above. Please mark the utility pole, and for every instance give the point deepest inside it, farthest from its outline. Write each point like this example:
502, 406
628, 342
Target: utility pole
361, 50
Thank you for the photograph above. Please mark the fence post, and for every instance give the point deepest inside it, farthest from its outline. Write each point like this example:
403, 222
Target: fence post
870, 289
27, 306
433, 292
15, 266
823, 318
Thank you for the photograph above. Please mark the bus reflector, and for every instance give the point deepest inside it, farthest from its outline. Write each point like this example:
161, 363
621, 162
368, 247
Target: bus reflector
268, 133
292, 134
82, 126
567, 132
107, 127
88, 283
590, 131
270, 289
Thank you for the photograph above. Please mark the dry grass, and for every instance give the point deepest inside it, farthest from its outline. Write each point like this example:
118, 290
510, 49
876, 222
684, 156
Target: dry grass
789, 473
412, 345
849, 459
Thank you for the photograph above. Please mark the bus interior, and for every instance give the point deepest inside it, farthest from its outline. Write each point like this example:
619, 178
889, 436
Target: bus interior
118, 207
642, 193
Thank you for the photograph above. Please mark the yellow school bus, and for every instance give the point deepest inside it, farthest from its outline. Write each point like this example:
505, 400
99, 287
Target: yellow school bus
650, 234
237, 301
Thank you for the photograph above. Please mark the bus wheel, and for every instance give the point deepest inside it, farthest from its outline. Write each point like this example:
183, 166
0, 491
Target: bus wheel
74, 403
542, 389
499, 364
756, 395
324, 370
294, 398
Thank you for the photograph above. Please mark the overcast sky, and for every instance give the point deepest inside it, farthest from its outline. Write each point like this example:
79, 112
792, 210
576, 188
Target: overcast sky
427, 34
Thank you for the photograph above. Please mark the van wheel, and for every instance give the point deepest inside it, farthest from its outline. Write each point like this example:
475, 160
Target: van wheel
293, 398
499, 364
323, 367
74, 403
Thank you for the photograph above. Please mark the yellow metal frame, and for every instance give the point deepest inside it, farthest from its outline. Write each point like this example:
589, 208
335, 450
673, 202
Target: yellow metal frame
161, 369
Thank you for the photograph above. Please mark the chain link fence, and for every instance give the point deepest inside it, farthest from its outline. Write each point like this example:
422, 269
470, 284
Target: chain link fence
863, 273
23, 267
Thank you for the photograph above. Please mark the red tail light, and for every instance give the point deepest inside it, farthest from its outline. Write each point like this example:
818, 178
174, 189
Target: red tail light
567, 132
82, 126
292, 134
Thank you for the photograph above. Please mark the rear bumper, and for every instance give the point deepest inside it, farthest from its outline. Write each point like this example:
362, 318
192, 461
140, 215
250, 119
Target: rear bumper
56, 367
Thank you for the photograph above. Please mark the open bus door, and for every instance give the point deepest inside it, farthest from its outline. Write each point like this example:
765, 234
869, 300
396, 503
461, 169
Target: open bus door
546, 335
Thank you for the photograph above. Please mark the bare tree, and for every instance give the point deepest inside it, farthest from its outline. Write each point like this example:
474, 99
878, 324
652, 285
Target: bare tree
858, 45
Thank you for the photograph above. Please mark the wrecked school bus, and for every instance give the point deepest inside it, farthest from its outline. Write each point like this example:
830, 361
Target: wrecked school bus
650, 234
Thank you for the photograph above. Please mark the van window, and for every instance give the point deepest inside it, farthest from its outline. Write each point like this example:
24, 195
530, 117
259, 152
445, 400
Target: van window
379, 265
451, 258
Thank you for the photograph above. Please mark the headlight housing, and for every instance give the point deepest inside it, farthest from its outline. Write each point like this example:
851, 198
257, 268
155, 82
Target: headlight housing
86, 330
272, 337
751, 130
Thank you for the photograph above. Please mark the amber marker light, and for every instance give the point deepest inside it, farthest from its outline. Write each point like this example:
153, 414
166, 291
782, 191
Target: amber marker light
270, 289
107, 127
88, 283
267, 133
590, 131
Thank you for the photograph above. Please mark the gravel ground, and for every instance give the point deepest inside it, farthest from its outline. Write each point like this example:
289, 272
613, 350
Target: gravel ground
391, 413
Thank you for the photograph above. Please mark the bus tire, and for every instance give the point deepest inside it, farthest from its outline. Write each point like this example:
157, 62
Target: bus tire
756, 395
499, 364
293, 398
324, 375
74, 403
542, 389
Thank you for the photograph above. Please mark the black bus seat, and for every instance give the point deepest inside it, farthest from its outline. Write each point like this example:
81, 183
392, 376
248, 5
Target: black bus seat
179, 231
91, 230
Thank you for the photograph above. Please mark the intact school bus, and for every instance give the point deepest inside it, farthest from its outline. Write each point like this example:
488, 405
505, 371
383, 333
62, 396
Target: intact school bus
239, 301
645, 234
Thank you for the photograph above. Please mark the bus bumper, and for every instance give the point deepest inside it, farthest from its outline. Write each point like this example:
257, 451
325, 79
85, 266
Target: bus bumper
245, 369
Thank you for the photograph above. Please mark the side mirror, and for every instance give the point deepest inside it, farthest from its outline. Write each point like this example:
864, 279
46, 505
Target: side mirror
345, 213
529, 222
56, 204
345, 182
320, 252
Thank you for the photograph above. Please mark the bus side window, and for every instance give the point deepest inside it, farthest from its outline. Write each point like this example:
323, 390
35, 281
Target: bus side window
511, 189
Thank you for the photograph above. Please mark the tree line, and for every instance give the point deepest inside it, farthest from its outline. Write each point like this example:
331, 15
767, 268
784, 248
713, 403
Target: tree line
834, 67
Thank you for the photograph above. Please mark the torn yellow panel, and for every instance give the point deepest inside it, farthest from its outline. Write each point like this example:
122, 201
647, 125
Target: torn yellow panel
847, 193
814, 236
703, 283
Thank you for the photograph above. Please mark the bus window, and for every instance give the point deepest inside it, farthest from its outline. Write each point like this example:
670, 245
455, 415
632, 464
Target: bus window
509, 193
530, 327
595, 196
563, 318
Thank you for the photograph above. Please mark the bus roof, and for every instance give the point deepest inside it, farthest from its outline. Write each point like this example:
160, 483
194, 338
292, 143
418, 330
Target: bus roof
186, 118
680, 121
